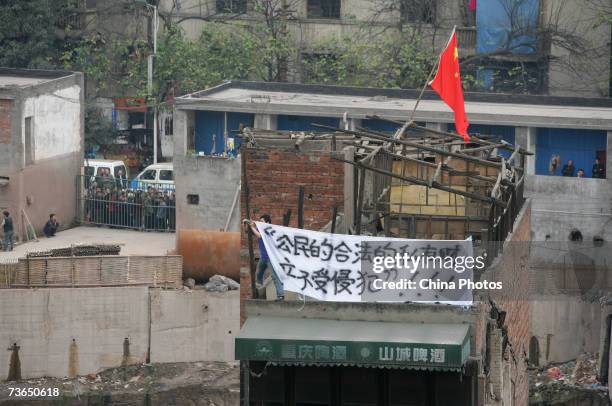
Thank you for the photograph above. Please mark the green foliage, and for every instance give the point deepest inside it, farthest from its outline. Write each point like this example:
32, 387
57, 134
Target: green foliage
224, 51
31, 32
98, 130
390, 59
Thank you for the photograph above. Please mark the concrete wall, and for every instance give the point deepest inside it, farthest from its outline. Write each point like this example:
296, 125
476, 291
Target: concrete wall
183, 326
193, 325
44, 323
56, 122
216, 181
57, 112
583, 71
565, 327
562, 204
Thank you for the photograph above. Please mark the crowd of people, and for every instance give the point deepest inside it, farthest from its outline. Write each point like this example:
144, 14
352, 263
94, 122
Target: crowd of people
598, 170
110, 202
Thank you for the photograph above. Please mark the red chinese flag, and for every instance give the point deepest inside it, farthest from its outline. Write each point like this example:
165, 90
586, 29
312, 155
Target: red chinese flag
448, 85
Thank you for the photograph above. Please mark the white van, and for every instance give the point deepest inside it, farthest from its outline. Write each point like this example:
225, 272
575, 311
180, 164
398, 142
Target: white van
158, 176
94, 167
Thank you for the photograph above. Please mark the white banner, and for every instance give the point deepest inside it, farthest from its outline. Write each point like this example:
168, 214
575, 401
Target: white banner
352, 268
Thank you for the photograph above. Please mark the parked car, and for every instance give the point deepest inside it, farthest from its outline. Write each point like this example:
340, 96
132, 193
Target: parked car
158, 176
94, 167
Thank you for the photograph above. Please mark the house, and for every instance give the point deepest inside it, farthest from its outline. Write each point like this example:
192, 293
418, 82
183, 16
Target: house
41, 146
572, 127
346, 351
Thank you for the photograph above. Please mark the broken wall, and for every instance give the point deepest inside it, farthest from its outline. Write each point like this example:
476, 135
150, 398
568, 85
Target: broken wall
274, 174
511, 267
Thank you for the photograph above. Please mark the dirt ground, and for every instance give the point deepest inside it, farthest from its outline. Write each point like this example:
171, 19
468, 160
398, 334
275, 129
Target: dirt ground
197, 383
132, 242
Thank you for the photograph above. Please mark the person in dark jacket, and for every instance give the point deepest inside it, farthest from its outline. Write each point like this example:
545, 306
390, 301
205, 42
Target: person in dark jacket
7, 229
598, 170
51, 226
568, 169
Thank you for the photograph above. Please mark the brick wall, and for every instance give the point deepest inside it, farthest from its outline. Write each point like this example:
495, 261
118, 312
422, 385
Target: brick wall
274, 175
511, 268
5, 121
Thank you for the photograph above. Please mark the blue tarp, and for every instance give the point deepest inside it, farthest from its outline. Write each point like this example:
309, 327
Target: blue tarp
507, 24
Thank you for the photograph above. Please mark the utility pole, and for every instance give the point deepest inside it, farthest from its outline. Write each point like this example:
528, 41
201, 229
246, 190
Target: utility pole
155, 22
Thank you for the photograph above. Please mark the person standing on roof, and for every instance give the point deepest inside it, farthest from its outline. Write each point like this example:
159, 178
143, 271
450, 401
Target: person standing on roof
264, 259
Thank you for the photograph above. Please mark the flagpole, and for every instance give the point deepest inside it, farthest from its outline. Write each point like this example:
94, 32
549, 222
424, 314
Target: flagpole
435, 67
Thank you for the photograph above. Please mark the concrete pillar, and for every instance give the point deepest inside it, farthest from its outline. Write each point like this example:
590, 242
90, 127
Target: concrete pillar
353, 123
609, 157
437, 126
265, 121
349, 188
183, 121
526, 138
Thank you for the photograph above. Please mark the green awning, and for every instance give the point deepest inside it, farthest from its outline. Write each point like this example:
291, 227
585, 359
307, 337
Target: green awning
299, 341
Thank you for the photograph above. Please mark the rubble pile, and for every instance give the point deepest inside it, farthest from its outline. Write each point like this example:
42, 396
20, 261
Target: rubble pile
220, 283
572, 381
186, 383
83, 250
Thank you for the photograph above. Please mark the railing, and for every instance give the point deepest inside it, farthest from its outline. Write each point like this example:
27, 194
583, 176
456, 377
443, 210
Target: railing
466, 38
501, 221
145, 206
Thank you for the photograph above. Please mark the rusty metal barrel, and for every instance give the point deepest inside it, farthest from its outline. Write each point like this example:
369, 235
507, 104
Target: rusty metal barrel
207, 253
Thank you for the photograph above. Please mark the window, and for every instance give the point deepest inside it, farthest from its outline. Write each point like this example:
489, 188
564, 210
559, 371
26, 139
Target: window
193, 199
231, 6
414, 11
323, 8
89, 171
148, 175
166, 175
122, 169
468, 13
168, 126
29, 140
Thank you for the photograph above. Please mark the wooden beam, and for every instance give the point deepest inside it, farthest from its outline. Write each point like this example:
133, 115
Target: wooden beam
473, 139
446, 168
301, 207
247, 199
416, 145
417, 181
360, 197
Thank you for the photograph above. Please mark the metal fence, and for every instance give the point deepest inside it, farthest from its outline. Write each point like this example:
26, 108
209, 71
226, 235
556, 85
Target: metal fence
110, 202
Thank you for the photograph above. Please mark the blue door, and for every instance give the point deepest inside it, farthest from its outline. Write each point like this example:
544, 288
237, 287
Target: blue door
304, 123
379, 125
210, 129
581, 146
504, 132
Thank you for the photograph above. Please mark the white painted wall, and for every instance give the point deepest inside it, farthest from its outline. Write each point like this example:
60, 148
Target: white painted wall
56, 122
